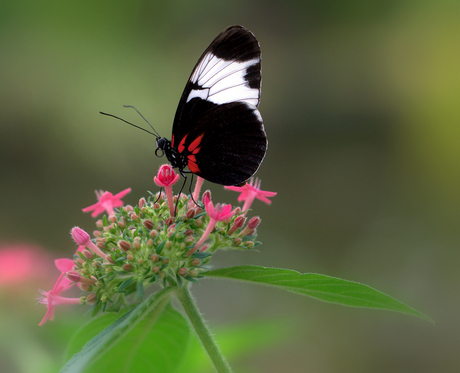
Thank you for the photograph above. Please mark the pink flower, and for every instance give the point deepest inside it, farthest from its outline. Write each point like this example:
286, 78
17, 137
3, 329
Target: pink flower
83, 239
216, 213
21, 264
52, 298
167, 178
219, 212
251, 191
106, 202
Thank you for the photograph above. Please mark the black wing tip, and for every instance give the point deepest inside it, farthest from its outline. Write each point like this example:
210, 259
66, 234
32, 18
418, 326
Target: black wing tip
236, 43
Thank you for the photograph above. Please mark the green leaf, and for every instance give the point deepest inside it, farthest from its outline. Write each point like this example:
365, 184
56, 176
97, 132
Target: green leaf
126, 283
322, 287
134, 341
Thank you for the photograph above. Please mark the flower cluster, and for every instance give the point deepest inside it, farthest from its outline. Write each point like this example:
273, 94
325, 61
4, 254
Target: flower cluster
164, 239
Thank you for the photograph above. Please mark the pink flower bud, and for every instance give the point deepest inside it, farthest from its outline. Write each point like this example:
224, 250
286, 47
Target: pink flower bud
80, 236
88, 254
122, 223
239, 222
91, 298
190, 213
142, 202
136, 243
237, 241
195, 262
183, 271
148, 224
76, 277
73, 276
124, 245
254, 222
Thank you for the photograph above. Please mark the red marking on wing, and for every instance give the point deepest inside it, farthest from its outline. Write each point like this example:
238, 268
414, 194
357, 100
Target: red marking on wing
172, 141
181, 146
192, 166
194, 146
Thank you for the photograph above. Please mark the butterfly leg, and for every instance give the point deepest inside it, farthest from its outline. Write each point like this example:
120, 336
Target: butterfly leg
159, 195
181, 188
182, 172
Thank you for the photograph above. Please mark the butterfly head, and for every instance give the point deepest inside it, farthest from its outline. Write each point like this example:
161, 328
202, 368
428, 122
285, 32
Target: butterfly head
163, 146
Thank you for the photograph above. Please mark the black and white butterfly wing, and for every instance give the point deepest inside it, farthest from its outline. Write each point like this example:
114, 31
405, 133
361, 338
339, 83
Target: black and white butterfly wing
217, 126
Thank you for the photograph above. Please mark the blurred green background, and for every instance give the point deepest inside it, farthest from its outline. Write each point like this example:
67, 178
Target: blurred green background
360, 101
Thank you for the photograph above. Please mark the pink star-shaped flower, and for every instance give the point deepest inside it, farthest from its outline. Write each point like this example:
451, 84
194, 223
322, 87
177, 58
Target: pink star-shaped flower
216, 213
251, 191
52, 298
219, 212
106, 202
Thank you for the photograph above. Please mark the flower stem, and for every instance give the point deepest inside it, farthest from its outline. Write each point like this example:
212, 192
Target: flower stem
204, 334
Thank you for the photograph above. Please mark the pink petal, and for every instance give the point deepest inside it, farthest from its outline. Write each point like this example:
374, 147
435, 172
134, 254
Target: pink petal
62, 284
90, 208
235, 188
263, 199
64, 264
121, 194
49, 315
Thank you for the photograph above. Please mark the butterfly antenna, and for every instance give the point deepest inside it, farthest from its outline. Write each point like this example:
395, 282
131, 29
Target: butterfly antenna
143, 129
138, 112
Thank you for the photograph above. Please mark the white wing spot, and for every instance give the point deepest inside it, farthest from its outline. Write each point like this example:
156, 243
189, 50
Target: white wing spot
223, 81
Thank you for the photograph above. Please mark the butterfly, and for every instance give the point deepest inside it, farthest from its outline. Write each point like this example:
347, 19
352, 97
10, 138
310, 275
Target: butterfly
218, 132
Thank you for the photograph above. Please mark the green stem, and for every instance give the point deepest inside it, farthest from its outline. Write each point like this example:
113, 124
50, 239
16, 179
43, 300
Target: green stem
206, 338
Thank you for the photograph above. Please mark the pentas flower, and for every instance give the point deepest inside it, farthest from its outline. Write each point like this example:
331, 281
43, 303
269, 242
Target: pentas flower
143, 244
251, 191
166, 178
52, 298
106, 202
216, 213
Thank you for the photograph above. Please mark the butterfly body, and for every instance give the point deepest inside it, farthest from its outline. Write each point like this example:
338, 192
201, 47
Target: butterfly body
218, 132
